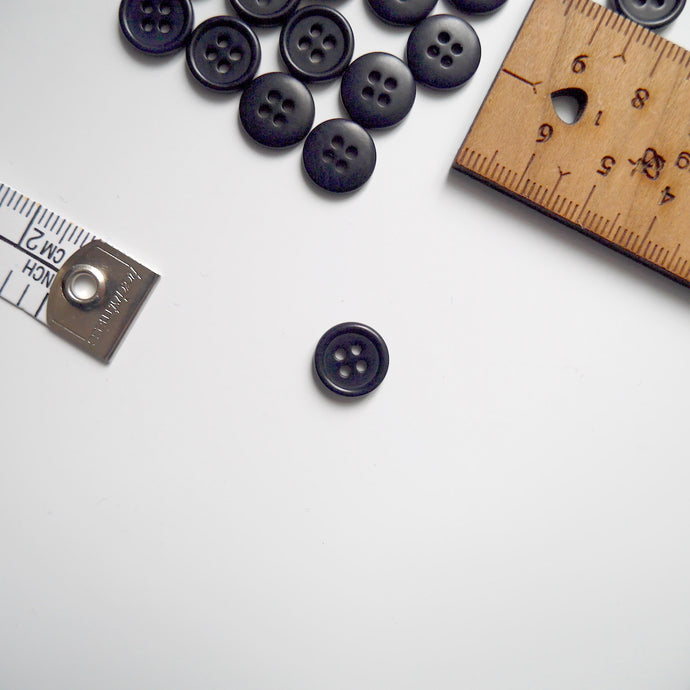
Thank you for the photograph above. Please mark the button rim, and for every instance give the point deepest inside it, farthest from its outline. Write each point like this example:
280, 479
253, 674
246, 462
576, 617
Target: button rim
371, 124
355, 328
245, 96
657, 24
274, 19
414, 68
289, 26
369, 140
389, 19
255, 48
175, 47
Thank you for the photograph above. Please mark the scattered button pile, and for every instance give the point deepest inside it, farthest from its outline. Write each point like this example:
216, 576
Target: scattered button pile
316, 45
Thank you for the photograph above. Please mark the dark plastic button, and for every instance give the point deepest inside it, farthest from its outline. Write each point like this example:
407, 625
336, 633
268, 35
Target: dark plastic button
443, 51
264, 12
402, 12
157, 27
223, 53
477, 6
339, 155
378, 90
317, 43
650, 13
351, 359
277, 110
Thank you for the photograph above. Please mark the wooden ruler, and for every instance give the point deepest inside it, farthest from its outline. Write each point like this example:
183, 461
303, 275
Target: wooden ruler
621, 172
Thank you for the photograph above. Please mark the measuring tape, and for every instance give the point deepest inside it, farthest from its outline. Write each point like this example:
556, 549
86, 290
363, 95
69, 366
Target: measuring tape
58, 273
621, 172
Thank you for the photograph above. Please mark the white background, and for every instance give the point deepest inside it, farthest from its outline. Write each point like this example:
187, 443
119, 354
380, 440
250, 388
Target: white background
509, 510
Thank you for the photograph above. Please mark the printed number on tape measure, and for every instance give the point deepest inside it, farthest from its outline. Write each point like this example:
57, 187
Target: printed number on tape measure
58, 273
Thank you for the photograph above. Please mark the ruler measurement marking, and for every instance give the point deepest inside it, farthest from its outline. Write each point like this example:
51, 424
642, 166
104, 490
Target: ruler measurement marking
11, 199
589, 206
21, 213
7, 191
19, 199
598, 26
658, 60
57, 218
493, 158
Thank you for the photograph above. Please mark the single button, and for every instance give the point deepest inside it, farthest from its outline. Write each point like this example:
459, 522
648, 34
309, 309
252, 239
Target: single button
650, 13
157, 27
277, 110
443, 51
402, 12
223, 53
477, 6
378, 90
264, 12
317, 43
351, 359
339, 155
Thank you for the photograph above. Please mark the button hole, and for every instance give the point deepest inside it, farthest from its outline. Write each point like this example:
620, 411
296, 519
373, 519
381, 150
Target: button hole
340, 354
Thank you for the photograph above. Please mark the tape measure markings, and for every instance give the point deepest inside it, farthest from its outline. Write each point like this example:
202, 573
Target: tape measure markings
47, 239
46, 259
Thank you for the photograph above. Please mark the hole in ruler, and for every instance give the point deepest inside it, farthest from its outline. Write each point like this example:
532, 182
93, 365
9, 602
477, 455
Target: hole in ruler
569, 104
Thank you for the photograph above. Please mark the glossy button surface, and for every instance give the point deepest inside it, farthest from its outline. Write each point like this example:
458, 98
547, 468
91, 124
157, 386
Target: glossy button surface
443, 51
650, 13
377, 90
477, 6
276, 110
351, 359
157, 27
339, 155
223, 53
316, 43
264, 12
402, 12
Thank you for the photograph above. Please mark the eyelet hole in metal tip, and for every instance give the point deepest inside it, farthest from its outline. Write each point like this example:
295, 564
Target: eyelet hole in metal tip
84, 286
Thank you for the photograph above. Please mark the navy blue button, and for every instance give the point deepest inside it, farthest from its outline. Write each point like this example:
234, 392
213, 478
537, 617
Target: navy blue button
157, 27
264, 12
402, 12
351, 359
339, 156
317, 43
223, 54
443, 51
277, 110
477, 6
650, 13
378, 90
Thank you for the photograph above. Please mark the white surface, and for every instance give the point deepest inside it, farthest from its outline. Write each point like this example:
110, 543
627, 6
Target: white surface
509, 510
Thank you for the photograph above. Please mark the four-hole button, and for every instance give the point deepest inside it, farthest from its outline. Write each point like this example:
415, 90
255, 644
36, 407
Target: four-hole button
339, 155
377, 90
443, 51
157, 27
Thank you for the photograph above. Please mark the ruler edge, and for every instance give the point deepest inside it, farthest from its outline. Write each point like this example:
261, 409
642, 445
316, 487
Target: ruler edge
527, 202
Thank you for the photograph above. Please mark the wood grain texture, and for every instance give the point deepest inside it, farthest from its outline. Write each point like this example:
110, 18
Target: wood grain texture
621, 173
